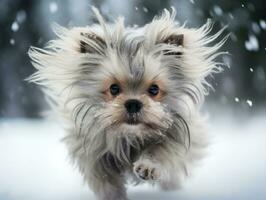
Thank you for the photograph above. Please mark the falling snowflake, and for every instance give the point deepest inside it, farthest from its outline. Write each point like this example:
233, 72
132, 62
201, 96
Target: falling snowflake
255, 27
218, 11
231, 15
251, 69
21, 16
263, 24
12, 41
53, 7
236, 99
192, 1
14, 26
136, 8
252, 44
233, 36
249, 102
145, 9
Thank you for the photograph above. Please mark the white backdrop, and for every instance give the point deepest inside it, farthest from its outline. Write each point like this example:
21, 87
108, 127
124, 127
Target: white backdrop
34, 165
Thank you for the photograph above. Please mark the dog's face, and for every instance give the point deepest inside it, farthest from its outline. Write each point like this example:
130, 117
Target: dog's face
133, 84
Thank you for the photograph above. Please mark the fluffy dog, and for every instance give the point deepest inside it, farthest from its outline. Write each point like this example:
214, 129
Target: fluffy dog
130, 98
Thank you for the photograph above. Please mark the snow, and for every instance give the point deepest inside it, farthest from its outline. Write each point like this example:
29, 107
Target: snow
53, 7
14, 26
218, 11
12, 41
249, 102
252, 44
34, 164
231, 15
255, 27
236, 99
145, 9
233, 37
263, 24
21, 16
251, 69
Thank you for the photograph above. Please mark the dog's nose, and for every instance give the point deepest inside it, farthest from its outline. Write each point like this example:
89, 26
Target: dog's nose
133, 106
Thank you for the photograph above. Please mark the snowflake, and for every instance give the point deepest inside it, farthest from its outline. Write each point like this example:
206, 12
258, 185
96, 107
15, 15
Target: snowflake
14, 26
12, 41
218, 11
252, 44
263, 24
249, 102
53, 7
145, 9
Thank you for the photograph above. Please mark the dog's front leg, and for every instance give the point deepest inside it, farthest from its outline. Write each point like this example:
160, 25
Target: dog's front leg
110, 191
163, 164
107, 188
147, 167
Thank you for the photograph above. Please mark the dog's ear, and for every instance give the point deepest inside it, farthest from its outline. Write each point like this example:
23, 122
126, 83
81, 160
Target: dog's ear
176, 40
92, 43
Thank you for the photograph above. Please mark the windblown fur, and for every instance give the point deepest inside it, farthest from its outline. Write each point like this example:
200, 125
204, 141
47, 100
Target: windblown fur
76, 71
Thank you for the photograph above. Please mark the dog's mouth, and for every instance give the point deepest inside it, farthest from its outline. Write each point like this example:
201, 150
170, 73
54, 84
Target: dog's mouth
132, 121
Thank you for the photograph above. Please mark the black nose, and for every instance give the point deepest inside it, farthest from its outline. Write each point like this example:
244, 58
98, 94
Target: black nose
133, 106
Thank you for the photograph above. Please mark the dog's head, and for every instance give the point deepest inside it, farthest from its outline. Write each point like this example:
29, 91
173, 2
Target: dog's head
128, 82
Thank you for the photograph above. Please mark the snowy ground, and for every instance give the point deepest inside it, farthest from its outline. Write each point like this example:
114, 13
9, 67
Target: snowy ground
34, 165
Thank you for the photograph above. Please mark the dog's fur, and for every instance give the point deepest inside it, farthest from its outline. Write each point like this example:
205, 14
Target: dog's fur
76, 72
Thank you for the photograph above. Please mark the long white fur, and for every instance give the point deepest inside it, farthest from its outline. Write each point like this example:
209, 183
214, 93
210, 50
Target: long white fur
73, 81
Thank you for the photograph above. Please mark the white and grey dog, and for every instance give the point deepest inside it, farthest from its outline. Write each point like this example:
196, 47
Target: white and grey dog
130, 98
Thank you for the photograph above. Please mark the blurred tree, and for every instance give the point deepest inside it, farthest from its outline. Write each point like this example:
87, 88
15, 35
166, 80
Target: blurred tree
27, 22
18, 32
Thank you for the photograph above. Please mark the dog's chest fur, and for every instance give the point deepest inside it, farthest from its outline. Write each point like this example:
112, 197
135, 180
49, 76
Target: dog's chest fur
125, 156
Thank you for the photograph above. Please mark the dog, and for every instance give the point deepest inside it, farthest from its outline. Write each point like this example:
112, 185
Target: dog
130, 98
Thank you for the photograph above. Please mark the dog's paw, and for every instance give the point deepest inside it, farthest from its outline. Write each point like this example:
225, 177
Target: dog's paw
146, 170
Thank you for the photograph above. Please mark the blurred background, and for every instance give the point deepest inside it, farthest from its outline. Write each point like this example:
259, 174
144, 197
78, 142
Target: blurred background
236, 107
242, 86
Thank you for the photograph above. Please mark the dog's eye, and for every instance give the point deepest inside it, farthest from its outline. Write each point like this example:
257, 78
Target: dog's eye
153, 90
114, 89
